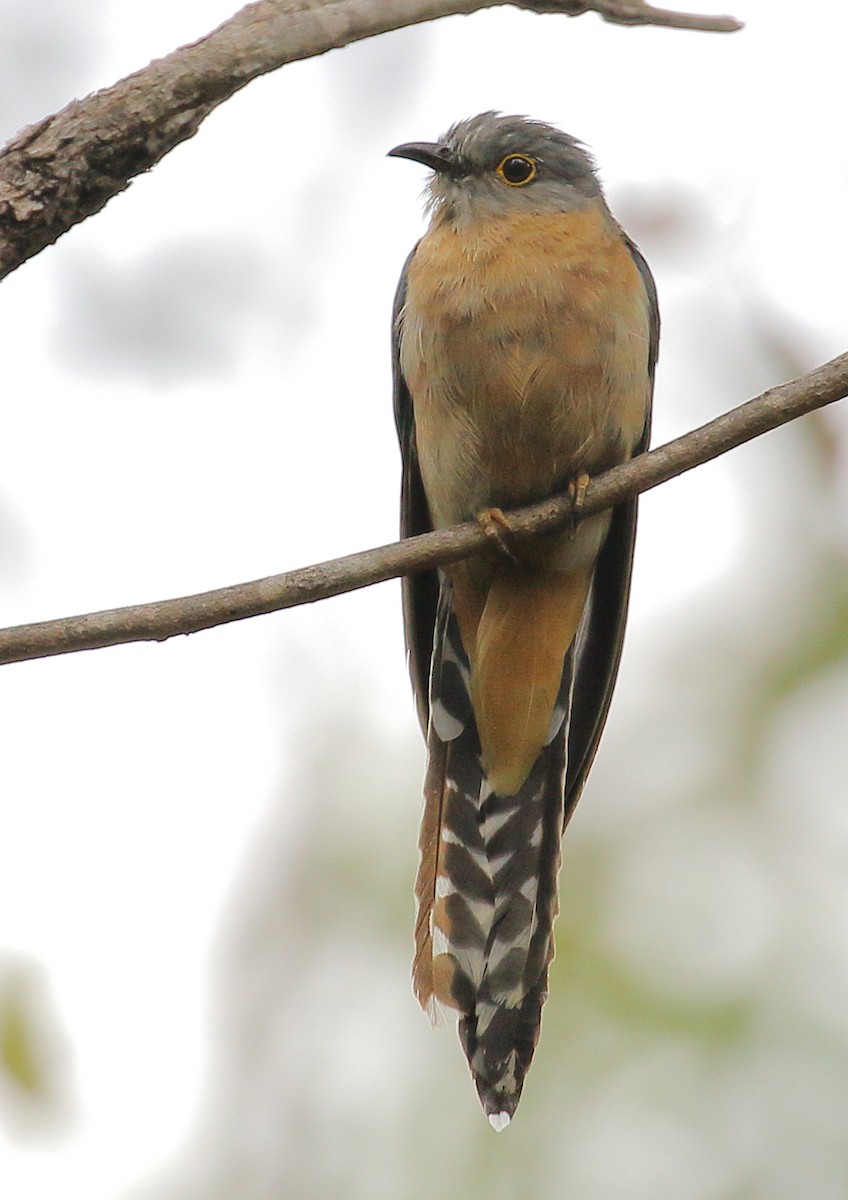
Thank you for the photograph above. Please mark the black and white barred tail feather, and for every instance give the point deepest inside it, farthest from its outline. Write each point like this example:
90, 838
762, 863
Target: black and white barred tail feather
487, 882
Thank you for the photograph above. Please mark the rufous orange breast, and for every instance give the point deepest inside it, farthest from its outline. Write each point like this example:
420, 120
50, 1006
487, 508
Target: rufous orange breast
524, 343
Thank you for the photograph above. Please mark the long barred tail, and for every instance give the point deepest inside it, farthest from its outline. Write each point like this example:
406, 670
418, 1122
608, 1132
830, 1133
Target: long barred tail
487, 884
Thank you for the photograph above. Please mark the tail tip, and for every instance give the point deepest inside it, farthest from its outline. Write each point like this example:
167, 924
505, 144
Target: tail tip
499, 1082
499, 1105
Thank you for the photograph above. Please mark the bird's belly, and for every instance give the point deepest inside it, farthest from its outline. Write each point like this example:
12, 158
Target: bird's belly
522, 380
506, 418
503, 419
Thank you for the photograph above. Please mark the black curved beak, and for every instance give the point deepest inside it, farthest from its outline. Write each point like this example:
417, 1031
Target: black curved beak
429, 154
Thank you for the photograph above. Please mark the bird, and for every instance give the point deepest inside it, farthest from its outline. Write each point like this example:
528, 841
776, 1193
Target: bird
525, 335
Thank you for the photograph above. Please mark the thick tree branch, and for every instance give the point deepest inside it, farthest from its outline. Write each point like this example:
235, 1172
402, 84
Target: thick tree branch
65, 168
165, 618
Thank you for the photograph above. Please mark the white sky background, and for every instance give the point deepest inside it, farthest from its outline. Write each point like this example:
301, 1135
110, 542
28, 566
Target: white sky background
197, 393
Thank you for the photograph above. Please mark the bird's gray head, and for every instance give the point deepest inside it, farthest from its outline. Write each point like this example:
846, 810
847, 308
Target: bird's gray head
493, 165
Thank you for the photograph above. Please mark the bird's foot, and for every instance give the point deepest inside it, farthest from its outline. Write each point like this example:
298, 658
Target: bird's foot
577, 494
496, 528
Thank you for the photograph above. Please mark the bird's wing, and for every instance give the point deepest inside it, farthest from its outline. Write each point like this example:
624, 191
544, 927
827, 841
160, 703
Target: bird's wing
599, 648
420, 591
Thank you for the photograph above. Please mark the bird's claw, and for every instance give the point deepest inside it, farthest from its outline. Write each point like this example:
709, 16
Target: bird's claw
577, 494
496, 528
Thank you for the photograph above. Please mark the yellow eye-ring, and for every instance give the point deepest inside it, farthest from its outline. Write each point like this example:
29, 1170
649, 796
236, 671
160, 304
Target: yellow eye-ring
516, 170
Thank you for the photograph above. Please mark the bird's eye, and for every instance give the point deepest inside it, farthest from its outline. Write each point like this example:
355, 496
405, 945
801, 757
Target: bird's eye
517, 169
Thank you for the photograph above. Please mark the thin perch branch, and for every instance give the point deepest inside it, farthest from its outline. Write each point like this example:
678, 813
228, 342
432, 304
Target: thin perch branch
165, 618
637, 12
66, 167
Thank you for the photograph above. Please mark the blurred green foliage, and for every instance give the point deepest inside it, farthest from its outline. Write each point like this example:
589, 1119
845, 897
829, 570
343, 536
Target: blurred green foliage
18, 1057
